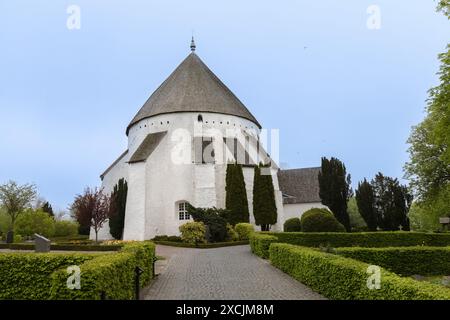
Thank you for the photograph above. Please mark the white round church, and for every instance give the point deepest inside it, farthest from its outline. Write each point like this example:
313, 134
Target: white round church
179, 144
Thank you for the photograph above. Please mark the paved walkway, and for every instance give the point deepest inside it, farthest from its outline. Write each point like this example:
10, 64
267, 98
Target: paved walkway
221, 273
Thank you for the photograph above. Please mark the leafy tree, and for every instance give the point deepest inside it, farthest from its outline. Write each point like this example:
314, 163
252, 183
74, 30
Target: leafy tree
214, 221
64, 228
236, 195
31, 222
118, 206
392, 203
365, 199
16, 198
335, 189
357, 222
264, 206
47, 207
92, 206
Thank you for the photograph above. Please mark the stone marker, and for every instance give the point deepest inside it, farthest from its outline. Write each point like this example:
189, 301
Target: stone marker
10, 237
41, 243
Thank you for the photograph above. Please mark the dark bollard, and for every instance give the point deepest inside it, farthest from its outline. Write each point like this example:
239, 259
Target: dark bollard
137, 274
153, 268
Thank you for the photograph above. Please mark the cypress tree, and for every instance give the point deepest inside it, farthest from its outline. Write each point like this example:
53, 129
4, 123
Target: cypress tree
117, 212
335, 190
236, 196
47, 207
264, 206
365, 198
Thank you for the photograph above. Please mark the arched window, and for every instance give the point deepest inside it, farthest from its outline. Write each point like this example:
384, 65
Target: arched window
200, 118
182, 210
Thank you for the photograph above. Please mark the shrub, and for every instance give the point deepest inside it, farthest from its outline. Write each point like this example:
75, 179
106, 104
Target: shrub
17, 238
341, 278
320, 220
244, 230
31, 222
404, 261
292, 225
193, 232
161, 238
363, 239
64, 228
232, 234
213, 220
28, 275
260, 243
174, 239
112, 274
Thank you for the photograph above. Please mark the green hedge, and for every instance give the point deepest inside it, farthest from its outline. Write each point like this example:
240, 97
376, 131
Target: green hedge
202, 245
363, 239
64, 247
404, 261
28, 275
112, 274
260, 243
341, 278
44, 275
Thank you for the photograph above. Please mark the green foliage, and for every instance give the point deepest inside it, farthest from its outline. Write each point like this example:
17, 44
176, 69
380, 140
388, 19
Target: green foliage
260, 243
17, 238
424, 215
112, 274
292, 225
341, 278
320, 220
193, 232
117, 210
5, 221
28, 275
236, 195
31, 222
264, 206
64, 228
335, 189
392, 203
232, 235
429, 165
47, 207
363, 239
244, 230
216, 225
356, 220
405, 261
365, 199
16, 198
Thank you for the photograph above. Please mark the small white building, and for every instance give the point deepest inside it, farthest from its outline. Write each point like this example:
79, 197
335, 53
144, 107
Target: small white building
179, 144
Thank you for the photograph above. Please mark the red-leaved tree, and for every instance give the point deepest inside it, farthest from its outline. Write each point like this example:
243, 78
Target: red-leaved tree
93, 206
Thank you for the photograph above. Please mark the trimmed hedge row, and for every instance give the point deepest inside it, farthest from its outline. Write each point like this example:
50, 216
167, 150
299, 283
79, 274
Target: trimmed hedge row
341, 278
405, 261
260, 243
112, 274
202, 245
44, 275
28, 275
65, 247
363, 239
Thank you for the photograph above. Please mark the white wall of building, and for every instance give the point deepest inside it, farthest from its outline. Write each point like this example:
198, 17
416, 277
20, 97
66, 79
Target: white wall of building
296, 210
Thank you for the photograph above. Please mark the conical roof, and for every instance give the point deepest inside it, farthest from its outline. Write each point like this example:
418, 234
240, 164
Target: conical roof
193, 87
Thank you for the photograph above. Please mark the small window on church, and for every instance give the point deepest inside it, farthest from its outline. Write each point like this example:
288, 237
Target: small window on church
182, 211
200, 118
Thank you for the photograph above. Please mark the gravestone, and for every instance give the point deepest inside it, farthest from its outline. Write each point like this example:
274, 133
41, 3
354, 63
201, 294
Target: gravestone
41, 244
10, 237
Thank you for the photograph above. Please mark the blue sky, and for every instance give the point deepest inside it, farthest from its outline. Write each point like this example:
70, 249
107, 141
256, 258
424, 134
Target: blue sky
66, 96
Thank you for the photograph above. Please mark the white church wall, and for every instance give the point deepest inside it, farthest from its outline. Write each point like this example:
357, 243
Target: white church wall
296, 210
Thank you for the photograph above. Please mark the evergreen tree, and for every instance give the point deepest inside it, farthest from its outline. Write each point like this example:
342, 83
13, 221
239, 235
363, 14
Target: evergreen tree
117, 212
392, 203
335, 190
47, 207
236, 196
365, 199
264, 206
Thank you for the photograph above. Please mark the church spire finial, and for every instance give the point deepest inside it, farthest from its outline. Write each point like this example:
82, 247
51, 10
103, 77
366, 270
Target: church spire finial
193, 46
